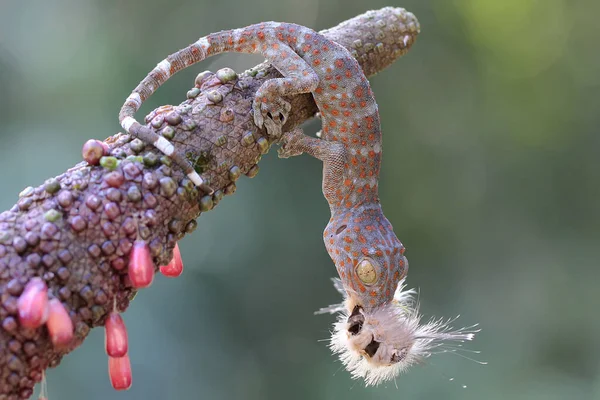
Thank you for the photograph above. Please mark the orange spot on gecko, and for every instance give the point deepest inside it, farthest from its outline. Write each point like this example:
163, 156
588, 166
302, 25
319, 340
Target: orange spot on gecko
317, 62
348, 182
333, 86
339, 63
347, 239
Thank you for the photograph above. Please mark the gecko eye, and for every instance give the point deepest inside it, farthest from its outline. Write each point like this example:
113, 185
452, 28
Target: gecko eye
366, 272
356, 321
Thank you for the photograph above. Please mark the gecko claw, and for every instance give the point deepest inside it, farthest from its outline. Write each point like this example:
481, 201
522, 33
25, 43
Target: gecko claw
290, 144
271, 114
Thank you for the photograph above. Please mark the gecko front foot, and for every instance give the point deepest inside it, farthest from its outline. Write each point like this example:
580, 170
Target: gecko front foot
270, 111
291, 144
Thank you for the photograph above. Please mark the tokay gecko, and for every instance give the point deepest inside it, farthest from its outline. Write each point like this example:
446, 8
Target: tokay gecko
378, 333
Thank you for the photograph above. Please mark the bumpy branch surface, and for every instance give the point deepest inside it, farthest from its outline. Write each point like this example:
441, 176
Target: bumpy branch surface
76, 231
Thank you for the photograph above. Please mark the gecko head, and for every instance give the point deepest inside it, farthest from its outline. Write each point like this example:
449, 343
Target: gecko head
379, 343
368, 256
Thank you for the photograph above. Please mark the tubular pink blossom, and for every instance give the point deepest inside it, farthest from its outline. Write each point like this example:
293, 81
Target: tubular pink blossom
141, 267
115, 336
59, 324
119, 371
33, 304
175, 267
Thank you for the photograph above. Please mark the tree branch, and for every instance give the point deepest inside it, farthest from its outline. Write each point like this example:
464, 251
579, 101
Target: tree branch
76, 230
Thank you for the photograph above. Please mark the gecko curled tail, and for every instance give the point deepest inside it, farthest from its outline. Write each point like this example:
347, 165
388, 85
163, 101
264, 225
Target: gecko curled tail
259, 38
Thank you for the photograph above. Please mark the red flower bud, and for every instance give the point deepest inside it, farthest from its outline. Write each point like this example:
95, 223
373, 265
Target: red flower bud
59, 324
33, 304
119, 371
141, 267
115, 336
175, 267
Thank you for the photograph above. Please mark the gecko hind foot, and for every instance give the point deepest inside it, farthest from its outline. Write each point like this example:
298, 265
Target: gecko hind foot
291, 144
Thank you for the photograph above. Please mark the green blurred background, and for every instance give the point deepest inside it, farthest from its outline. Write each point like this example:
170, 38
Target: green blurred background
490, 178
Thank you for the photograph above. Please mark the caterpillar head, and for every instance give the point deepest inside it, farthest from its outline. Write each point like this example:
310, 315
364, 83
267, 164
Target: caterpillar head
377, 344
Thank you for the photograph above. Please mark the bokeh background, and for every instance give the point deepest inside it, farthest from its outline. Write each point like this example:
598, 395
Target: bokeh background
490, 178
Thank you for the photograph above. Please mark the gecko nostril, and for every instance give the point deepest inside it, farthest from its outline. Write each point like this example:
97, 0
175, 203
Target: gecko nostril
372, 347
341, 229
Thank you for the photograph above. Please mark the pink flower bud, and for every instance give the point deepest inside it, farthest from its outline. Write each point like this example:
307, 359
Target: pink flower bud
59, 324
119, 371
33, 304
175, 267
115, 336
141, 267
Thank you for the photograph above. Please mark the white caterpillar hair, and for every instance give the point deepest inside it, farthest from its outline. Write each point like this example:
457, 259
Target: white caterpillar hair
378, 344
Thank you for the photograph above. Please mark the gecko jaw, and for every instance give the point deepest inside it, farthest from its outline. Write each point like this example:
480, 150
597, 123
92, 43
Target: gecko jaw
378, 344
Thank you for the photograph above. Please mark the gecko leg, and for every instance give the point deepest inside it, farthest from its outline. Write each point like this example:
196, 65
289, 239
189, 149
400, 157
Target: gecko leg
332, 154
269, 107
295, 142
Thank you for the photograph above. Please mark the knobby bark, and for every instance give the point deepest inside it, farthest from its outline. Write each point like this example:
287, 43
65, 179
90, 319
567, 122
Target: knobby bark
76, 230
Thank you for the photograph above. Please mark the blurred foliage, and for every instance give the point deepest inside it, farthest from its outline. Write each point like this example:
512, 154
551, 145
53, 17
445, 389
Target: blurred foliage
490, 177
